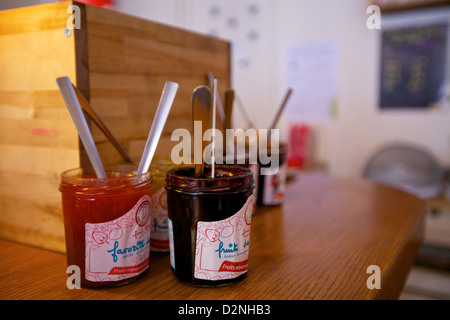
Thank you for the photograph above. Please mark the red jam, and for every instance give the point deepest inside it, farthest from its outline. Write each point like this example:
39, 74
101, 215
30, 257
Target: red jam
107, 224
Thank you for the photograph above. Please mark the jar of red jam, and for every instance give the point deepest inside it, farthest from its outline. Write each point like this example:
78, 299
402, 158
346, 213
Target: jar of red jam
107, 224
209, 224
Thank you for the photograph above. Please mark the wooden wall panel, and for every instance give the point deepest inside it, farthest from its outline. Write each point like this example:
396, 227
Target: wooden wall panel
37, 137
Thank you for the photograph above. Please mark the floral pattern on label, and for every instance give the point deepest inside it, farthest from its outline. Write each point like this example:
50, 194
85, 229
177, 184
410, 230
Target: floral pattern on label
159, 232
222, 247
119, 249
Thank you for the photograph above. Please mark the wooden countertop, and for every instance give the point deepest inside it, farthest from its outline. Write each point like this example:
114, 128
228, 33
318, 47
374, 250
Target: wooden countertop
318, 245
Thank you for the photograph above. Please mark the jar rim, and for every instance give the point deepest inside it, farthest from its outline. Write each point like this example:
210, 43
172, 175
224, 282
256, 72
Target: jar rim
115, 175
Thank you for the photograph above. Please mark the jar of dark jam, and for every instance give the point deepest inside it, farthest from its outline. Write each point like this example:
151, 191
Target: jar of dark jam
209, 224
107, 224
272, 178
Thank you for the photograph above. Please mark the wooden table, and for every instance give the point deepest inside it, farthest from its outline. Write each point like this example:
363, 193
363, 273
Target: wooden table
318, 245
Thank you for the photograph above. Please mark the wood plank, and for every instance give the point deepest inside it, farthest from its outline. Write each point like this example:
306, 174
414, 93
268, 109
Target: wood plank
32, 214
52, 56
115, 20
38, 187
51, 240
31, 159
33, 19
27, 104
38, 139
176, 51
39, 132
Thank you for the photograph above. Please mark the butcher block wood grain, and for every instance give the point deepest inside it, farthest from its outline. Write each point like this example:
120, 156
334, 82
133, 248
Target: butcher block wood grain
120, 64
318, 245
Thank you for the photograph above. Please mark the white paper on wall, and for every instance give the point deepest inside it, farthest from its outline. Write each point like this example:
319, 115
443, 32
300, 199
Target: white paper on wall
312, 73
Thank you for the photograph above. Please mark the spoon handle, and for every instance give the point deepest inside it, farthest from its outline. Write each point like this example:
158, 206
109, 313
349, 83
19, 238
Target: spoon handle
201, 106
165, 103
73, 105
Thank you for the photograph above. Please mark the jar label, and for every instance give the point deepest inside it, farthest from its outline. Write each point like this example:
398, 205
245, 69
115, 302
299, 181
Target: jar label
159, 227
255, 169
171, 244
222, 247
119, 249
274, 186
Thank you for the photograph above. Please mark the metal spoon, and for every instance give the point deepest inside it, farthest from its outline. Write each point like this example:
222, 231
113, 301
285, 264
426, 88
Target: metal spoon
201, 111
280, 110
211, 79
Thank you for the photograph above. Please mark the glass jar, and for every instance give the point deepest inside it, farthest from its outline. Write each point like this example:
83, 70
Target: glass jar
107, 224
159, 240
244, 159
272, 181
209, 224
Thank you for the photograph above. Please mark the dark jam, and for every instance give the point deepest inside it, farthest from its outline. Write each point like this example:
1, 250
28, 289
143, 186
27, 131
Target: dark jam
93, 204
193, 202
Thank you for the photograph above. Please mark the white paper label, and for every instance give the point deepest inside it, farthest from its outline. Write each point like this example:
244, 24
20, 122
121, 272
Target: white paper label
120, 248
159, 233
222, 247
171, 244
274, 186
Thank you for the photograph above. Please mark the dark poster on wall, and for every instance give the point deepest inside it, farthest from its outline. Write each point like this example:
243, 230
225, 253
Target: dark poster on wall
413, 65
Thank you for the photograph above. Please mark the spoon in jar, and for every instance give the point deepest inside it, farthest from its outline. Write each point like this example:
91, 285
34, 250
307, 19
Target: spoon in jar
72, 103
213, 127
280, 111
219, 104
201, 106
165, 104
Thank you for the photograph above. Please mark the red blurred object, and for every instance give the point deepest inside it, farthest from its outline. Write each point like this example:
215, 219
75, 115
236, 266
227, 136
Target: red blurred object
300, 145
98, 3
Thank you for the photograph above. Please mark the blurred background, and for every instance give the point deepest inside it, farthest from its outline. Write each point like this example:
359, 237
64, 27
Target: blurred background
371, 90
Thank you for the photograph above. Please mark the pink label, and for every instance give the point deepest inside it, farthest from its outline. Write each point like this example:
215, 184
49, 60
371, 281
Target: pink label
159, 232
222, 247
120, 248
